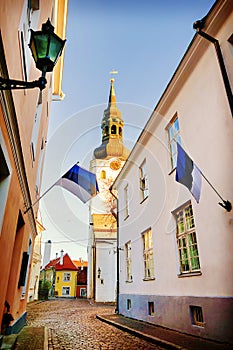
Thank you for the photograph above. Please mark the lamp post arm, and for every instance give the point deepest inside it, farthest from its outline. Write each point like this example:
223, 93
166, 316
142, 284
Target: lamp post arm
10, 84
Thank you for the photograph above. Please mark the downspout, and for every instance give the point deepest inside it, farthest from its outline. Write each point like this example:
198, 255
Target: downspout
118, 258
198, 26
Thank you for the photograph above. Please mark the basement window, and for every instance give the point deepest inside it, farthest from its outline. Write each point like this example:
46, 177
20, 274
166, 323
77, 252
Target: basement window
197, 316
151, 308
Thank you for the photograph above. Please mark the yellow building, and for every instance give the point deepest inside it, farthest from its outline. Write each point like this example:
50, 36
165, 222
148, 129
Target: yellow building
62, 275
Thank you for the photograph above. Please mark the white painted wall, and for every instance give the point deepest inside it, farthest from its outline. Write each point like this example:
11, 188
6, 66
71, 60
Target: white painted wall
197, 94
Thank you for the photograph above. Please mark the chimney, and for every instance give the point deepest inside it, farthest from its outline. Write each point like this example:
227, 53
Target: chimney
61, 257
47, 253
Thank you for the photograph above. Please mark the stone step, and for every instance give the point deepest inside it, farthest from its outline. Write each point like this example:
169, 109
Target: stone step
32, 338
8, 341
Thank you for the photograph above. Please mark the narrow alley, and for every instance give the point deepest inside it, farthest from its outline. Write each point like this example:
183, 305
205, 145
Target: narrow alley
72, 324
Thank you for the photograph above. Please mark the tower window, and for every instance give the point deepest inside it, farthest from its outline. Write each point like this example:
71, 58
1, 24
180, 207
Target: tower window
120, 131
103, 174
113, 129
106, 131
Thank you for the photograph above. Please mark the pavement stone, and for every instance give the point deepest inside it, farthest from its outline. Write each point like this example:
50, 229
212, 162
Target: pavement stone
72, 324
78, 324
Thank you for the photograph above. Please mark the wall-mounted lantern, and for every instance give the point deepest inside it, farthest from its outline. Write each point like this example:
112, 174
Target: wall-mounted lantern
46, 48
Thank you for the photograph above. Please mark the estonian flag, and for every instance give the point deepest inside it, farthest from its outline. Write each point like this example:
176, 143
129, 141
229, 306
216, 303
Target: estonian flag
80, 182
187, 173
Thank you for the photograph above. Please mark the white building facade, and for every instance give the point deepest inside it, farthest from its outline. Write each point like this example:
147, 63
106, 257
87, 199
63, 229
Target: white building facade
175, 256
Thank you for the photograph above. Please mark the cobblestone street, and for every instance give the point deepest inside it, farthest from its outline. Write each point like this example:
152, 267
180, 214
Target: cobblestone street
72, 324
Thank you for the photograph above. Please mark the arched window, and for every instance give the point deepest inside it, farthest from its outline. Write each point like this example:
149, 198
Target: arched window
113, 129
106, 131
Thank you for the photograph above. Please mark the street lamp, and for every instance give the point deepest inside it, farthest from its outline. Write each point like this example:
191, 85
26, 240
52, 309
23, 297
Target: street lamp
46, 48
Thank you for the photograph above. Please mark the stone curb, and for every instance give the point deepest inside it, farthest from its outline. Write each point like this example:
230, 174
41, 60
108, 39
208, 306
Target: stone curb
168, 345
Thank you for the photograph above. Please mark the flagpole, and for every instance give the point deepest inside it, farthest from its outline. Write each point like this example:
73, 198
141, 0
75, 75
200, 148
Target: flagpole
226, 204
32, 205
38, 199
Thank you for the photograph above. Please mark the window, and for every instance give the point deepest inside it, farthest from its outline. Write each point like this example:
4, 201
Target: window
173, 130
231, 42
66, 276
83, 292
128, 248
196, 316
128, 304
148, 255
24, 272
4, 178
40, 166
35, 131
113, 129
151, 308
143, 181
103, 174
30, 19
65, 291
126, 200
186, 240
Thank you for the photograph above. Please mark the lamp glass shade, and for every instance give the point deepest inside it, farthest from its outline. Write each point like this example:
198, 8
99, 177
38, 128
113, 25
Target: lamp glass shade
46, 47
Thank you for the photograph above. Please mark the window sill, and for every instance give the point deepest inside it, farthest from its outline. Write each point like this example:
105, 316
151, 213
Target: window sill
144, 199
189, 274
202, 325
127, 281
172, 171
149, 279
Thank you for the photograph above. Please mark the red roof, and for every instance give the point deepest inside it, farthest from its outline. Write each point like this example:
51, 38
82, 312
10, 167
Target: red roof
67, 264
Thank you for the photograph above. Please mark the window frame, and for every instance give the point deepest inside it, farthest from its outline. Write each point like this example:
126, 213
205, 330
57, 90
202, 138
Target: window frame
196, 314
65, 275
66, 288
173, 138
186, 240
148, 255
126, 200
144, 183
128, 250
151, 308
5, 178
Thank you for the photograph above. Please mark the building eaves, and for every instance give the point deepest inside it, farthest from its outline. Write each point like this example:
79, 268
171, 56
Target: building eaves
213, 22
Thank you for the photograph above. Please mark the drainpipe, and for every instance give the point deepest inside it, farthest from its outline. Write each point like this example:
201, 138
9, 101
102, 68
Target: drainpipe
198, 26
118, 258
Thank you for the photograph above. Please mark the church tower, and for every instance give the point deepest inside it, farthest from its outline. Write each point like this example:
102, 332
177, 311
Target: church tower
108, 159
112, 131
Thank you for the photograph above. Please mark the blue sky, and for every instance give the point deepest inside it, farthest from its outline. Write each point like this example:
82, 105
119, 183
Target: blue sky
144, 41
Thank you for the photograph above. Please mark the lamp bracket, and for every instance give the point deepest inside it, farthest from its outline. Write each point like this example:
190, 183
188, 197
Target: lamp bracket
9, 84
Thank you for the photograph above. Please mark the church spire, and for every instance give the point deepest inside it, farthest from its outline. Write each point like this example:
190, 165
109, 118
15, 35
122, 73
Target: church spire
112, 95
112, 130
